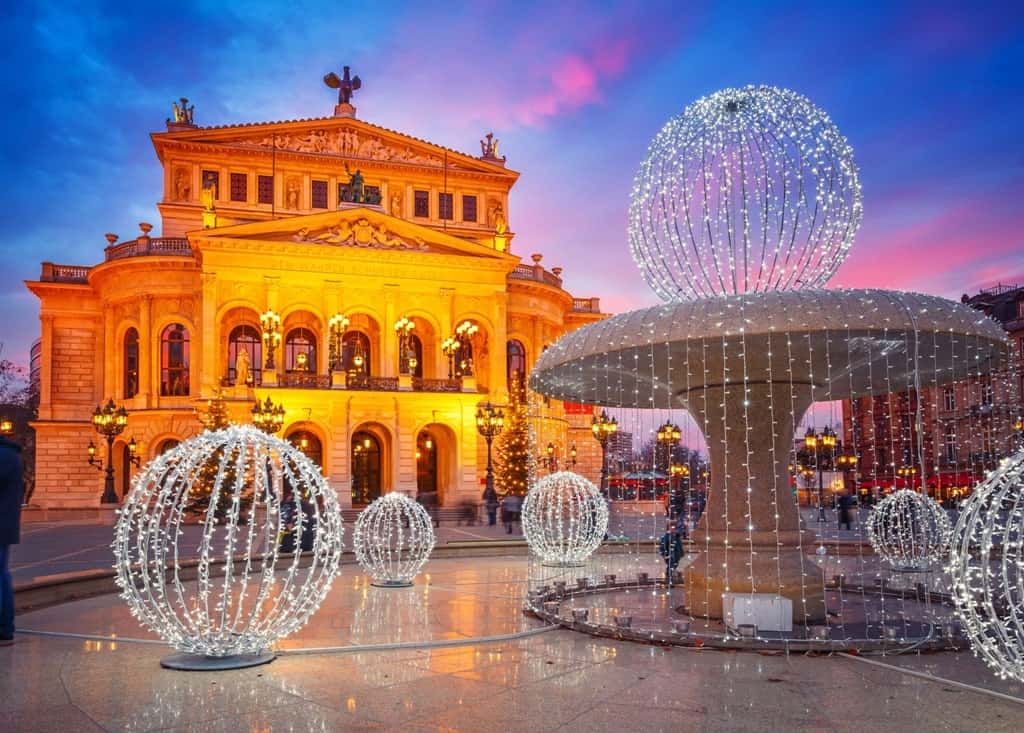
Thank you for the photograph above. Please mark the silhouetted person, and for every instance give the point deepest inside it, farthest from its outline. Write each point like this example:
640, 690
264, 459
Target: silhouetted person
490, 497
670, 547
846, 502
12, 491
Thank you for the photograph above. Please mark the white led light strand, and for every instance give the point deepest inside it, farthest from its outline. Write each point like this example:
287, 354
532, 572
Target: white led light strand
393, 538
909, 530
748, 190
564, 518
987, 569
246, 593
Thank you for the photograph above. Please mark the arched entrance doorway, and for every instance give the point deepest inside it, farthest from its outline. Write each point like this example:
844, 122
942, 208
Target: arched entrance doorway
426, 463
309, 444
366, 467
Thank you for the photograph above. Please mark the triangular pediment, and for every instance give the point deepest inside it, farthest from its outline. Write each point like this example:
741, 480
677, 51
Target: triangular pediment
335, 137
361, 227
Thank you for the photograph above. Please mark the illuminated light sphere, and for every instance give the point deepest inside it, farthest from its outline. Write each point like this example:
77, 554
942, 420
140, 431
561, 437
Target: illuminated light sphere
564, 519
243, 592
909, 530
393, 538
986, 563
748, 190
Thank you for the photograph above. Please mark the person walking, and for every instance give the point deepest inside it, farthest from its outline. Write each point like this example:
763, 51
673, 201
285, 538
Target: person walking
511, 507
12, 489
490, 497
846, 502
670, 547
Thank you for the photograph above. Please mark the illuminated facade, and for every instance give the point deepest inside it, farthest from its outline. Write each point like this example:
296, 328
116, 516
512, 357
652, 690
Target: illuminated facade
361, 277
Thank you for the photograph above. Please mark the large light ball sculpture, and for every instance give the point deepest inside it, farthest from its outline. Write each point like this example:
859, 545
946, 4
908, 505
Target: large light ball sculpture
393, 539
564, 519
748, 190
987, 569
909, 530
241, 593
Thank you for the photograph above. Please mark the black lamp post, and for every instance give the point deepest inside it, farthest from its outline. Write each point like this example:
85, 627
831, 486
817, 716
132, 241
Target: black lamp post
549, 457
109, 421
490, 421
270, 323
572, 455
337, 326
815, 442
603, 428
668, 436
268, 417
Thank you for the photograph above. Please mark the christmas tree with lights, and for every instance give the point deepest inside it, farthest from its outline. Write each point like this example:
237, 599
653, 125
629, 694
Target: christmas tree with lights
200, 495
516, 464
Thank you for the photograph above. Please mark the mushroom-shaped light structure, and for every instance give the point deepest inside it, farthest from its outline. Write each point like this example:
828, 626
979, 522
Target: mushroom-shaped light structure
986, 562
247, 488
564, 519
393, 537
909, 530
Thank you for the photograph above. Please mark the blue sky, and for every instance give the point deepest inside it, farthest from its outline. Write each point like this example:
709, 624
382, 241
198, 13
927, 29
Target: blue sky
930, 97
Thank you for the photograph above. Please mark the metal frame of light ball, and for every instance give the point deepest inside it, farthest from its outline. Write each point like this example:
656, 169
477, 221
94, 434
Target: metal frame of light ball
564, 519
748, 190
242, 598
909, 530
986, 564
393, 538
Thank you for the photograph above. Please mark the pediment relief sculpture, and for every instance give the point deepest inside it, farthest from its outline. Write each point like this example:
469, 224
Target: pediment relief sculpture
360, 233
346, 142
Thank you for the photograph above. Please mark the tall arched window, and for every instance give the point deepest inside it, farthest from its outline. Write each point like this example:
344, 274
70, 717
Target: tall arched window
355, 352
515, 362
416, 352
174, 361
366, 468
245, 338
131, 363
300, 350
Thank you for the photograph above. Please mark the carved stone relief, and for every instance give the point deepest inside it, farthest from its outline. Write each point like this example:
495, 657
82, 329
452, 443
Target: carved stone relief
360, 233
346, 142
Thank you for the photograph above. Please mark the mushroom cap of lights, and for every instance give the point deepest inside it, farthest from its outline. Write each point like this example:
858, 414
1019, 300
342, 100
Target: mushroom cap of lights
748, 190
393, 538
246, 593
745, 344
986, 562
564, 519
909, 530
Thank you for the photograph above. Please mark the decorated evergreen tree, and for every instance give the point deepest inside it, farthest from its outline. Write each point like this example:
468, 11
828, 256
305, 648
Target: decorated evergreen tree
516, 463
214, 417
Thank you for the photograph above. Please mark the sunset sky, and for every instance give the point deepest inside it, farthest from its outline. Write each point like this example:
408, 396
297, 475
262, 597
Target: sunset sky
930, 98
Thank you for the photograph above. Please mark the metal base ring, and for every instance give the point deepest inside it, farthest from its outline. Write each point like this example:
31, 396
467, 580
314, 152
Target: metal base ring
203, 663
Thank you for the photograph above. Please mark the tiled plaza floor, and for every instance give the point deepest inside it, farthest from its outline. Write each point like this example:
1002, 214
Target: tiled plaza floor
553, 680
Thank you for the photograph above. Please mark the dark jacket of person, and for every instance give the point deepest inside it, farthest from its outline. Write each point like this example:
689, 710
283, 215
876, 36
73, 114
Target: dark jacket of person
670, 547
12, 490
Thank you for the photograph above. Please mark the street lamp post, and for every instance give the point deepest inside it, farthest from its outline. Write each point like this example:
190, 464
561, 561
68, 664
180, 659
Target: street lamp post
109, 421
464, 334
268, 417
668, 436
406, 360
603, 428
490, 421
549, 457
814, 442
572, 455
337, 326
450, 346
270, 323
6, 426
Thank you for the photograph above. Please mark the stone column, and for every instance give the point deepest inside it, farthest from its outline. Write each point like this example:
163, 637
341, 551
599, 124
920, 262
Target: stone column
46, 367
146, 341
497, 387
749, 539
211, 370
114, 359
388, 338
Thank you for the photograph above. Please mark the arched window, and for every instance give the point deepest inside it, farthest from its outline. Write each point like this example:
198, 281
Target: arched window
464, 360
415, 352
245, 338
515, 363
426, 463
174, 361
365, 468
131, 363
300, 351
355, 352
167, 445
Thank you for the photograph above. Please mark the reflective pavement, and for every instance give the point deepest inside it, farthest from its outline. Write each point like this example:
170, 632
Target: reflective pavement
551, 680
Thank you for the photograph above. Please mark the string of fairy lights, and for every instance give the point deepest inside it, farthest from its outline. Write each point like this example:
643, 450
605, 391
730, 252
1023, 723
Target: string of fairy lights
564, 519
909, 530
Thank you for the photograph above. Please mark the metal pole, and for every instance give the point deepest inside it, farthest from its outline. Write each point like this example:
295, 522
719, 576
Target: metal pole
109, 497
821, 488
604, 469
490, 467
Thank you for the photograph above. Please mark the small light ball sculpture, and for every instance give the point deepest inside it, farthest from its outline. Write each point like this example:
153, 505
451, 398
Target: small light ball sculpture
564, 519
987, 569
393, 538
246, 489
748, 190
909, 530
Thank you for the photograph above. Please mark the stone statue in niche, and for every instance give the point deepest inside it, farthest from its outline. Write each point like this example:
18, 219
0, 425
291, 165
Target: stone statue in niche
291, 197
182, 185
496, 217
354, 192
209, 195
243, 373
396, 204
